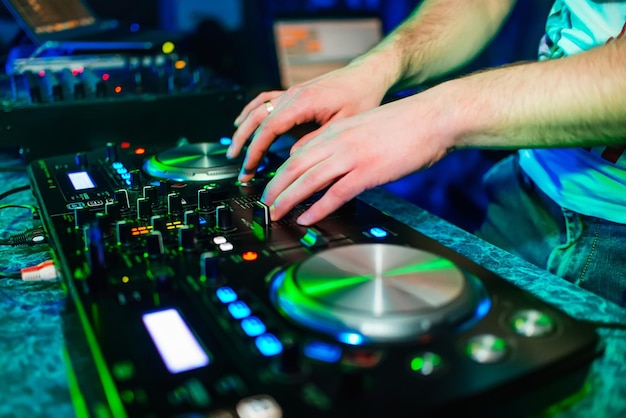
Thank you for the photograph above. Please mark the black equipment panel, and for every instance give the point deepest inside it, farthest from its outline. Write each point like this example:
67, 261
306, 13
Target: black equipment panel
359, 315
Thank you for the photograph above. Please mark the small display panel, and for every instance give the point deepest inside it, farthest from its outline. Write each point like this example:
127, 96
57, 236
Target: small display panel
81, 180
178, 347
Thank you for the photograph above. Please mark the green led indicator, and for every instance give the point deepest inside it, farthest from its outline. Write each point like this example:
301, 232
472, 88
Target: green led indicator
426, 363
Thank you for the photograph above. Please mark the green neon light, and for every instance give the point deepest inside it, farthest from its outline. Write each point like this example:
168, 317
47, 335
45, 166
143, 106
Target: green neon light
437, 264
78, 400
333, 284
110, 390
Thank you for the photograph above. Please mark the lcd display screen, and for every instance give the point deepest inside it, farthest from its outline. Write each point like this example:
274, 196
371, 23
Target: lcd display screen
178, 347
81, 180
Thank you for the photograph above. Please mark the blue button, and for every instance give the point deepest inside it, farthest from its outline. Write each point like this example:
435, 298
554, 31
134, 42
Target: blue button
378, 232
318, 350
226, 294
268, 345
253, 326
238, 309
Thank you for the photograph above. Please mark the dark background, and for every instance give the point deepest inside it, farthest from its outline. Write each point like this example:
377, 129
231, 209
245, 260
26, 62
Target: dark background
233, 38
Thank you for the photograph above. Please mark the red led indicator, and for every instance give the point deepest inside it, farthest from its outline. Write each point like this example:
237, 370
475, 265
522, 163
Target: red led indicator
42, 73
140, 151
125, 145
118, 89
250, 256
105, 76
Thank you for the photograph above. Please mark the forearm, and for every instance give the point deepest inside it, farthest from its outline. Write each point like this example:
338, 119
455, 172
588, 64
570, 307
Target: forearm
574, 101
438, 38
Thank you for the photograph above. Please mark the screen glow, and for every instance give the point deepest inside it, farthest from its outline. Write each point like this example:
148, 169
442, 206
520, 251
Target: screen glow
81, 180
176, 344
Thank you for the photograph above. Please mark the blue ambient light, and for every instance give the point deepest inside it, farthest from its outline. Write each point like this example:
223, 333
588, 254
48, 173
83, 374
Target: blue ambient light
378, 232
253, 326
238, 309
319, 350
226, 294
268, 345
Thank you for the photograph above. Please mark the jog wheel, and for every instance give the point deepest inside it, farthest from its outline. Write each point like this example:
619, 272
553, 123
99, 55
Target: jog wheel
194, 162
375, 292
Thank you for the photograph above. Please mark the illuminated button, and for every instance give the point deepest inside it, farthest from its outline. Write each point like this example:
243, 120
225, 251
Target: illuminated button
350, 338
532, 323
319, 350
253, 326
239, 309
313, 239
219, 240
426, 363
268, 345
117, 165
226, 294
378, 232
95, 203
77, 205
259, 406
227, 246
486, 348
250, 256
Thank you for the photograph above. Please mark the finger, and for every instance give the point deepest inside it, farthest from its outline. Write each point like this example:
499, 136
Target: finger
296, 184
254, 103
305, 139
342, 191
271, 128
249, 120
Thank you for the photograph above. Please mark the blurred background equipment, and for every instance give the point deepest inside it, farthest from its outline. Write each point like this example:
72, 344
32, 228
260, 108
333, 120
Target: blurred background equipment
223, 53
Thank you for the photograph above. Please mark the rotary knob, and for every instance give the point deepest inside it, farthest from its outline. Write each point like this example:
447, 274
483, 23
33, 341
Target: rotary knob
224, 218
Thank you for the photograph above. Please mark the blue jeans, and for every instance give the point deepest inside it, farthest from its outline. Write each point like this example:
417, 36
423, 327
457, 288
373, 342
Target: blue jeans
587, 251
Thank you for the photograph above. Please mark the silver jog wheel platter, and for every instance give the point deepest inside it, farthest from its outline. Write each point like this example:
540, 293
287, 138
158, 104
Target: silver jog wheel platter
374, 293
194, 162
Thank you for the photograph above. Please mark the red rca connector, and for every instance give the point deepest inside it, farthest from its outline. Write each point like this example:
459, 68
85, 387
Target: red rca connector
42, 271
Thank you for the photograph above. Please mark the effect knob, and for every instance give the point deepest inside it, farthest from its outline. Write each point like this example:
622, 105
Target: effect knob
113, 210
144, 208
81, 159
204, 200
210, 267
174, 204
224, 218
111, 152
154, 244
121, 196
123, 232
159, 223
134, 181
187, 238
152, 194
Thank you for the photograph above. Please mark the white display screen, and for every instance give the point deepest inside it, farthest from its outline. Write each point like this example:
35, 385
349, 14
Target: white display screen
81, 180
178, 347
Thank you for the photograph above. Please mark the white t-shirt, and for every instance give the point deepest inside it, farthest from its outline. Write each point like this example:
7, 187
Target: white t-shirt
591, 181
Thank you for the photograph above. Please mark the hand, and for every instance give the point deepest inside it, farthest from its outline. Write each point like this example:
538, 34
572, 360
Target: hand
360, 152
332, 96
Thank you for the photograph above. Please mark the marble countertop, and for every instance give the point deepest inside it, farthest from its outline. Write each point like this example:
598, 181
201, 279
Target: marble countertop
34, 382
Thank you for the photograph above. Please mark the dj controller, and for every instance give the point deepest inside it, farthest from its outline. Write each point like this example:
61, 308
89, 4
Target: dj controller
194, 303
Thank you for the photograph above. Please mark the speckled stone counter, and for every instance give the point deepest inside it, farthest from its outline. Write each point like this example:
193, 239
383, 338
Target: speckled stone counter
34, 382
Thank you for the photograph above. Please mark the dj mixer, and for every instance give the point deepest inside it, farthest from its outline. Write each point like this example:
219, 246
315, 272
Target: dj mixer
194, 303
